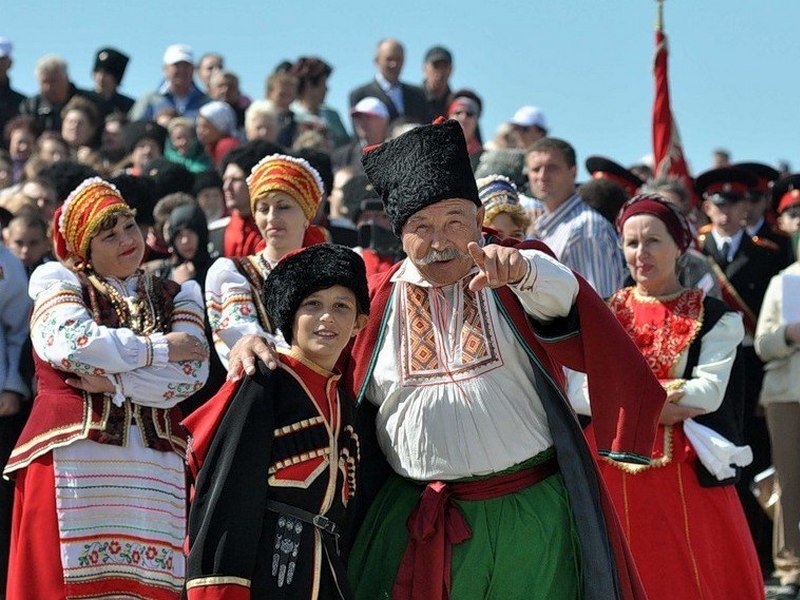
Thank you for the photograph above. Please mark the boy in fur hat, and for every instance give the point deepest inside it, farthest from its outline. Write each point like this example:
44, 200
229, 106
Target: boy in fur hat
275, 454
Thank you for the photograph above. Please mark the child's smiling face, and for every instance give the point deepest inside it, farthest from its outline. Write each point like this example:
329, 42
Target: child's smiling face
324, 324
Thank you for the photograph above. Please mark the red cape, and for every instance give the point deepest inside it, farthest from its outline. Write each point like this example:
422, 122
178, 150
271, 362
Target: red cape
626, 398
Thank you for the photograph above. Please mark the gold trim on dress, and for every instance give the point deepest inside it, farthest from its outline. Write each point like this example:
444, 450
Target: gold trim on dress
655, 463
639, 296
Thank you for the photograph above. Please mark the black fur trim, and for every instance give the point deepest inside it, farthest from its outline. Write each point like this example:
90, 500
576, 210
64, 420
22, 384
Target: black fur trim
421, 167
298, 275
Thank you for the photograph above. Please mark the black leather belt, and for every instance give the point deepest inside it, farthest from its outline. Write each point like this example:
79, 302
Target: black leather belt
319, 521
329, 541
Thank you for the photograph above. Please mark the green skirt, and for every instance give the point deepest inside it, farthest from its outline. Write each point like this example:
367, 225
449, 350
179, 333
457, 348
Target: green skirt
523, 545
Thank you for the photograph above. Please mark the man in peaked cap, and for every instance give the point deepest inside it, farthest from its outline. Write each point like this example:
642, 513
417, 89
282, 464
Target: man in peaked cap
743, 267
601, 167
460, 373
437, 68
107, 73
786, 202
756, 224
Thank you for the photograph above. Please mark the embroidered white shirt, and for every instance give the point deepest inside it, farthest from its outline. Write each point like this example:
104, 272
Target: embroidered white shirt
64, 334
231, 307
453, 385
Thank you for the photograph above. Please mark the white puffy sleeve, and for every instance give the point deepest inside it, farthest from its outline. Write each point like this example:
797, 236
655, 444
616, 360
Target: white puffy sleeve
165, 385
706, 388
548, 289
64, 334
230, 307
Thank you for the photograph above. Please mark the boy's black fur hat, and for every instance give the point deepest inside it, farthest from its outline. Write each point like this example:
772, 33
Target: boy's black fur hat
421, 167
299, 274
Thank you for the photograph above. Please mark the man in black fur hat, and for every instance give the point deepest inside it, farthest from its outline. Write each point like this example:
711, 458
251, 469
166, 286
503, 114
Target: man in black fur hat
109, 68
459, 380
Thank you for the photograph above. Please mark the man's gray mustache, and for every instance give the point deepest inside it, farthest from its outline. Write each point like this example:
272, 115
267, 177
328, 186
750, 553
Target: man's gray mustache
440, 256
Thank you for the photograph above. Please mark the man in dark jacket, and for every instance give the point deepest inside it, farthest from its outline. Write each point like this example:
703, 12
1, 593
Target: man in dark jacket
109, 68
55, 90
400, 98
9, 99
437, 68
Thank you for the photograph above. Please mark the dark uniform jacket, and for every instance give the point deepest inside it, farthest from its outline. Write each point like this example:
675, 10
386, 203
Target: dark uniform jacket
781, 240
750, 270
280, 436
118, 103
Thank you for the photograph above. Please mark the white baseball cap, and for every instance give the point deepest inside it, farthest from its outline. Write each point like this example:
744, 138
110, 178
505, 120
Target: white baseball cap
370, 106
528, 116
178, 53
5, 47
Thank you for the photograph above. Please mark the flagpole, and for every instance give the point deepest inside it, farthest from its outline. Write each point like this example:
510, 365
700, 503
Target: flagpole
660, 16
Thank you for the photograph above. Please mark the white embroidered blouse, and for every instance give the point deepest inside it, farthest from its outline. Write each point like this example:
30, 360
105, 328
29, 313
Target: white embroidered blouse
64, 334
231, 307
453, 385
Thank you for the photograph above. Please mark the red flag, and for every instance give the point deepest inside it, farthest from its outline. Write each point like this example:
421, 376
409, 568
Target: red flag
667, 150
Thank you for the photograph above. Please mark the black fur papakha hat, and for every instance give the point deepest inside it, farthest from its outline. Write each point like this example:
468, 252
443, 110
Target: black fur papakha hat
421, 167
299, 274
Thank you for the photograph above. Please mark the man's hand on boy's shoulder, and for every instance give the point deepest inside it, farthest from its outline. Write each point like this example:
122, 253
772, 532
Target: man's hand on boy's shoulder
246, 351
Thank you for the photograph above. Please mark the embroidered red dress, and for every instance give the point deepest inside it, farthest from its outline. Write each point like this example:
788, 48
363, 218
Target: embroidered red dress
688, 541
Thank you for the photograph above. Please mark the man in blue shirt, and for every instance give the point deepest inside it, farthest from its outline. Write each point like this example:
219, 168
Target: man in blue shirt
579, 236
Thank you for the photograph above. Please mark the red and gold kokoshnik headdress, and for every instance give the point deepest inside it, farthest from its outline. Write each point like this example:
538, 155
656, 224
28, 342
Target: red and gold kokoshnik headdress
78, 220
288, 174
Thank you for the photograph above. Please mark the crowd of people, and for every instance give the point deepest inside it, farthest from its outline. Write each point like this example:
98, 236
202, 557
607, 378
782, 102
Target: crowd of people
247, 354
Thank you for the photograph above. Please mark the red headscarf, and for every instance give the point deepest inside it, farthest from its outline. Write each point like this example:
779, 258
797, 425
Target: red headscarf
653, 204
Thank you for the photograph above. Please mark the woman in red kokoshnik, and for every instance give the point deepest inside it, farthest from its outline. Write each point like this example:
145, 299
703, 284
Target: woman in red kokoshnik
681, 514
285, 192
100, 500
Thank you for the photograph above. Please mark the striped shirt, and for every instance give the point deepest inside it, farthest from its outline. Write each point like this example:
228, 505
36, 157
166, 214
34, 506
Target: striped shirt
583, 240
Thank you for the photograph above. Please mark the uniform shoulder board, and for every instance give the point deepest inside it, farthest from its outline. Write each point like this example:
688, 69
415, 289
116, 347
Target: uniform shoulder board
765, 243
705, 228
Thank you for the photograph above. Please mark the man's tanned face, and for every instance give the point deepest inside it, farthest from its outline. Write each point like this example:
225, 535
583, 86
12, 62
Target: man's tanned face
436, 238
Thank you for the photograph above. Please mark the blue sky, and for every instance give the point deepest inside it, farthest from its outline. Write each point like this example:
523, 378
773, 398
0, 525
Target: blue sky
586, 63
